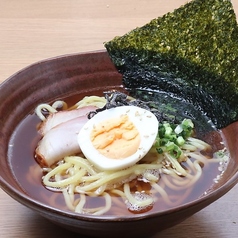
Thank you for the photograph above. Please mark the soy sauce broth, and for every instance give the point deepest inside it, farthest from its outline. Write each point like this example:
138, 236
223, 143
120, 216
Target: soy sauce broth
29, 174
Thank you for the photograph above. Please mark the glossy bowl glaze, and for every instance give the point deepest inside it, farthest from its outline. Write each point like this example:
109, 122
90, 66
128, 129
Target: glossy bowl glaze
87, 73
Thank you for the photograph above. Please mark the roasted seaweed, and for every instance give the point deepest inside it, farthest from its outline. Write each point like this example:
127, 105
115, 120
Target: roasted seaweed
190, 53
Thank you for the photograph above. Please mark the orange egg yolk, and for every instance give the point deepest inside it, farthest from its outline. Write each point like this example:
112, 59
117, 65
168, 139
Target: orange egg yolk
116, 138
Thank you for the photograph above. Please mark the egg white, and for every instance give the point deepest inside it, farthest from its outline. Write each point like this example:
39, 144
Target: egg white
145, 122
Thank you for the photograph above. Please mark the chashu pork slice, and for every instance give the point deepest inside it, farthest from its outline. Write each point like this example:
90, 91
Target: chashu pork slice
55, 119
60, 141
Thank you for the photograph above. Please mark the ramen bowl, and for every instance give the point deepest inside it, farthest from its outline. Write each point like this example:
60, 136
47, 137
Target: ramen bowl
64, 77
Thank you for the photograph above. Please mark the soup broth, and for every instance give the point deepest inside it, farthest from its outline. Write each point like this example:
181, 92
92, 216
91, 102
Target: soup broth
29, 173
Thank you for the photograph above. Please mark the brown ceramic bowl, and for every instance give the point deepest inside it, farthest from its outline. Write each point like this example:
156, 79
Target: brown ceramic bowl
83, 74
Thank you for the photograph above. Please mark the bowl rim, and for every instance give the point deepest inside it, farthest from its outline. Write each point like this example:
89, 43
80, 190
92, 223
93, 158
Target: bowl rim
36, 205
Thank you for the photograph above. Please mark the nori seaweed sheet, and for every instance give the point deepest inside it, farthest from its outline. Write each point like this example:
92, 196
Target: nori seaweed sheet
190, 53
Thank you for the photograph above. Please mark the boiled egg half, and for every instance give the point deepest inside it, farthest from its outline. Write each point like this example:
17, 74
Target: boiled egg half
118, 138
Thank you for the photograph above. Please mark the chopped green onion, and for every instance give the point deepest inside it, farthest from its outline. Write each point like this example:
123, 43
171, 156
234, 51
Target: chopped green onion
180, 140
172, 137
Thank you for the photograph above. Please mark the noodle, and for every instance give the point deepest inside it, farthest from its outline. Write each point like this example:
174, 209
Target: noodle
112, 176
92, 100
136, 203
60, 104
80, 205
95, 211
175, 164
78, 180
60, 183
42, 107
